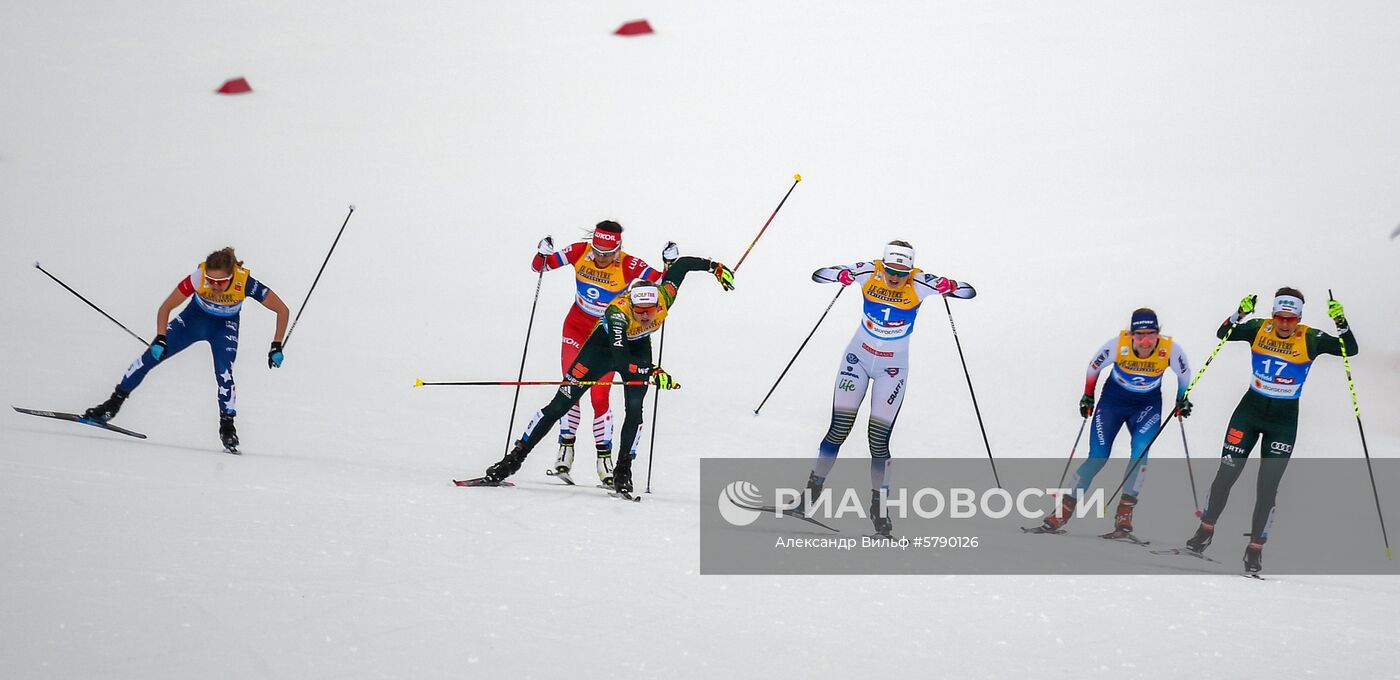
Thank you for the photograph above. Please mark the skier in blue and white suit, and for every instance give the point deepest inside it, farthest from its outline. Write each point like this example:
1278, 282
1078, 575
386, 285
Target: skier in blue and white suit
219, 285
878, 353
1139, 357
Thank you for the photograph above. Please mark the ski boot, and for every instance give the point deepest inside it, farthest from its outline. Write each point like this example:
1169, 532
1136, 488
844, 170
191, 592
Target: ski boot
883, 525
620, 479
506, 466
814, 489
107, 410
1123, 520
565, 462
227, 433
1054, 522
1201, 540
1254, 557
605, 467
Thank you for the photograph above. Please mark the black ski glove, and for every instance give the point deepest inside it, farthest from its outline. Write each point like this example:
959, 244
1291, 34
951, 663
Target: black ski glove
274, 355
1086, 405
1183, 406
158, 347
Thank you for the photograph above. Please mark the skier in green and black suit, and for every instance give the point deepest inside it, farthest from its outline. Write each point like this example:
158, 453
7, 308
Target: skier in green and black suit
620, 343
1284, 350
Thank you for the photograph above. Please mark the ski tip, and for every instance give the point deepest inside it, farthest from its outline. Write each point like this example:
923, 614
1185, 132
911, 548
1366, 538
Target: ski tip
418, 382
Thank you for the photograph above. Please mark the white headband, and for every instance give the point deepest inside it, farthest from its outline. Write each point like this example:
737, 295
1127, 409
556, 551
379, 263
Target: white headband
899, 257
644, 296
1288, 303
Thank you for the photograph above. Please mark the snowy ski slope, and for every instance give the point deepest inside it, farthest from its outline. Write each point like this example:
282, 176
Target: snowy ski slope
1072, 160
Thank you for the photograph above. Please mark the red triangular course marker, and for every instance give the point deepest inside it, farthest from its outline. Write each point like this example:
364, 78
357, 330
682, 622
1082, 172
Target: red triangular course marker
235, 86
640, 27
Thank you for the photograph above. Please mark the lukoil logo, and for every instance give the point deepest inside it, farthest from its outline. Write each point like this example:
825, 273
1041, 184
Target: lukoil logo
737, 502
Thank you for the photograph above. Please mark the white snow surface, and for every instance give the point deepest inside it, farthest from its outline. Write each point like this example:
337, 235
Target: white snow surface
1072, 160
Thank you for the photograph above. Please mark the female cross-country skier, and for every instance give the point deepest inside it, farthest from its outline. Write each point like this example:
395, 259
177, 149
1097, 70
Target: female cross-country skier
219, 286
878, 353
1283, 350
620, 343
602, 270
1140, 357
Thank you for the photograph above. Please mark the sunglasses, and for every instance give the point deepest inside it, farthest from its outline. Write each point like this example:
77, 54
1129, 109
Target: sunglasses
897, 273
649, 309
222, 279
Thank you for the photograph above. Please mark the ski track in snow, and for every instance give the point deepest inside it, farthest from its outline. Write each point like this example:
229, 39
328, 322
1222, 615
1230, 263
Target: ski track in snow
1072, 161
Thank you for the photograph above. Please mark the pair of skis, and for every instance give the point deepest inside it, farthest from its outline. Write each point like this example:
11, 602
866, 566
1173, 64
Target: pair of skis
483, 481
1127, 537
75, 418
1115, 535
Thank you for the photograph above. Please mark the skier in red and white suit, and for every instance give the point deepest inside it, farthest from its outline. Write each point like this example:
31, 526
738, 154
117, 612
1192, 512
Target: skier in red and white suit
601, 271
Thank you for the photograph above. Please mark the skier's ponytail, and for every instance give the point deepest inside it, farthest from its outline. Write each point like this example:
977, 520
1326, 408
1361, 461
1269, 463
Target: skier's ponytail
223, 260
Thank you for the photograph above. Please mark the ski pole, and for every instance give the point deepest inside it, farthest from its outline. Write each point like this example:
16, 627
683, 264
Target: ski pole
829, 305
317, 280
1192, 386
656, 398
1065, 472
89, 303
795, 180
1195, 500
1356, 408
586, 383
655, 405
515, 403
972, 392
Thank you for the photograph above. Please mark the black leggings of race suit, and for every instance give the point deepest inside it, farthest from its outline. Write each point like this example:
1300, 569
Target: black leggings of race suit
593, 362
1274, 424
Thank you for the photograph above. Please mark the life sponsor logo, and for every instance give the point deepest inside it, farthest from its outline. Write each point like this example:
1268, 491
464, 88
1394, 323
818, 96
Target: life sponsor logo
847, 385
1234, 436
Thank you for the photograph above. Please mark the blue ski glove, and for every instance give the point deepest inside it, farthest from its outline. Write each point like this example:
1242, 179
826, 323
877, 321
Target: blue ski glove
158, 347
274, 355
